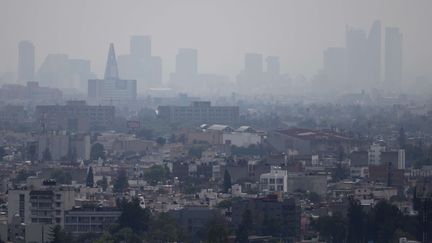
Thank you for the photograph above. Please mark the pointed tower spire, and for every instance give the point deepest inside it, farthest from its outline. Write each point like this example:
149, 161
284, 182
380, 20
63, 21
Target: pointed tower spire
111, 70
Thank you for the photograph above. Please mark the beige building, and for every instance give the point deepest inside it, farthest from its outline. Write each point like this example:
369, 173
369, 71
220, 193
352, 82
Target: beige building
39, 205
61, 145
132, 144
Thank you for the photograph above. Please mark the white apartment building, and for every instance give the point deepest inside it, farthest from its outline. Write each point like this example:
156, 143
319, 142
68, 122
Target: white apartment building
274, 181
375, 151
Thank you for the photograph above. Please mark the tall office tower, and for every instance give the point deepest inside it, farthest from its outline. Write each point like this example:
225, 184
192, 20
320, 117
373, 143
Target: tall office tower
357, 61
253, 72
334, 67
112, 89
26, 62
187, 63
393, 56
54, 71
273, 65
253, 64
156, 70
140, 46
139, 64
374, 53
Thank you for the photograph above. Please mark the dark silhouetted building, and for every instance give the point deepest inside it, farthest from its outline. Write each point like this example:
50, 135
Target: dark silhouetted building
270, 216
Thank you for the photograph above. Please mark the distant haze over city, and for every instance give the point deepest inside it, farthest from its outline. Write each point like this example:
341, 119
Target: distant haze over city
222, 31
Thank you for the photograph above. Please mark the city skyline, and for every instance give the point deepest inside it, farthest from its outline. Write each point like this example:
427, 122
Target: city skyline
299, 49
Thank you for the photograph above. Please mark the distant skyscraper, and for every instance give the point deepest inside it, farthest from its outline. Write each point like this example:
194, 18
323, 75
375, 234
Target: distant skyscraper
273, 65
393, 56
54, 71
58, 70
112, 89
26, 61
356, 51
253, 64
374, 53
334, 67
187, 63
140, 65
140, 46
185, 74
363, 53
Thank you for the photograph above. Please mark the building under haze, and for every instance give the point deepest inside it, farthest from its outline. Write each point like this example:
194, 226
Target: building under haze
199, 112
258, 78
393, 57
186, 68
26, 62
75, 116
58, 70
334, 68
32, 92
140, 65
363, 53
112, 89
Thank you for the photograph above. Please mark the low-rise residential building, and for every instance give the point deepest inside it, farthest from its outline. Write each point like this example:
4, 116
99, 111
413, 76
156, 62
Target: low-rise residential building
89, 219
199, 112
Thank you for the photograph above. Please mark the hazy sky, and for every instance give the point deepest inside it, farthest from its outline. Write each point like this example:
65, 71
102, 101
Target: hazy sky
222, 30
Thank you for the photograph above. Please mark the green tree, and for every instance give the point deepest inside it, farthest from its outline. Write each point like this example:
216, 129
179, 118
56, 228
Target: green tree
217, 230
161, 141
121, 181
2, 153
97, 151
133, 216
103, 183
332, 228
57, 235
242, 234
195, 151
62, 177
245, 228
356, 222
226, 182
157, 173
90, 178
164, 228
46, 155
145, 133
